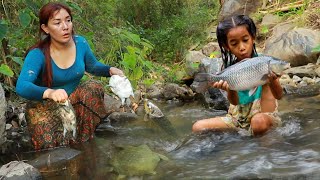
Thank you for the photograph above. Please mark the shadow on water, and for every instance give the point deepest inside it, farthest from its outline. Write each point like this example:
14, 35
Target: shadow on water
287, 152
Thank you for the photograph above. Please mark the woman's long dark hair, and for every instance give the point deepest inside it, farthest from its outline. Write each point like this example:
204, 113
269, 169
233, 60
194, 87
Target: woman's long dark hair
223, 29
47, 12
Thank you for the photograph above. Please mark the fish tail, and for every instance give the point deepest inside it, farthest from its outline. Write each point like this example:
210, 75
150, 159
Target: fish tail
201, 82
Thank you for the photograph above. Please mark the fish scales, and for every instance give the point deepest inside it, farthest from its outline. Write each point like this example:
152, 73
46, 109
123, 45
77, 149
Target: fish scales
250, 72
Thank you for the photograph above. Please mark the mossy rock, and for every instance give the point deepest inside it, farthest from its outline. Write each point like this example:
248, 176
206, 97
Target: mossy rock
136, 161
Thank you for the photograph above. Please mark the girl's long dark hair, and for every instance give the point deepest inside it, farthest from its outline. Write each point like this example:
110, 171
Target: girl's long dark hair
47, 12
224, 27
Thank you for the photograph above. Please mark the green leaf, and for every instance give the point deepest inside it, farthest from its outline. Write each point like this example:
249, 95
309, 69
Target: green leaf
3, 29
129, 61
18, 60
316, 49
6, 70
264, 29
148, 82
74, 5
131, 36
25, 18
147, 64
137, 74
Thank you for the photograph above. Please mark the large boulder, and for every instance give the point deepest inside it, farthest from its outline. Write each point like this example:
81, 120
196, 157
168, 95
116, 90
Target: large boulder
193, 59
18, 170
233, 7
294, 46
3, 107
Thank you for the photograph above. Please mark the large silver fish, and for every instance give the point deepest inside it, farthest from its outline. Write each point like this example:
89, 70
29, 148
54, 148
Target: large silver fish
247, 74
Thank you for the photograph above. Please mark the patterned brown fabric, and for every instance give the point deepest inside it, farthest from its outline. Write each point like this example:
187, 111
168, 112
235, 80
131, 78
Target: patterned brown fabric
45, 124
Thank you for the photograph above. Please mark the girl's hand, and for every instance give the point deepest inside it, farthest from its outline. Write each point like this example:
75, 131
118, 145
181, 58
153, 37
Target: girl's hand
115, 71
272, 77
58, 95
220, 85
232, 95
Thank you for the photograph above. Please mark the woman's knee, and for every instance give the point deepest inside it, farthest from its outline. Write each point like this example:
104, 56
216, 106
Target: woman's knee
260, 123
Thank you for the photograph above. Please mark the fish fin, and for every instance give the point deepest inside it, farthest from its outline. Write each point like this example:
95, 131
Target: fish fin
265, 77
202, 77
200, 87
253, 91
201, 82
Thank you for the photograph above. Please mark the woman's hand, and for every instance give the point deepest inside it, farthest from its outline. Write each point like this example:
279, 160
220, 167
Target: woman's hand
58, 95
220, 85
115, 71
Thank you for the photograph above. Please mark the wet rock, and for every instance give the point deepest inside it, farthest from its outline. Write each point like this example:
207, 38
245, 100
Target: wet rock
193, 58
117, 118
3, 107
57, 155
207, 65
154, 92
294, 46
136, 161
307, 90
112, 104
174, 91
209, 48
308, 70
18, 170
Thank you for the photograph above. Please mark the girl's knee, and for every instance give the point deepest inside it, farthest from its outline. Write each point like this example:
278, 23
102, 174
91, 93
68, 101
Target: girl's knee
260, 123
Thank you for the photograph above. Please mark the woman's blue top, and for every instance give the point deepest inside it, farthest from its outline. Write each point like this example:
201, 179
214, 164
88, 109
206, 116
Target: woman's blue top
30, 86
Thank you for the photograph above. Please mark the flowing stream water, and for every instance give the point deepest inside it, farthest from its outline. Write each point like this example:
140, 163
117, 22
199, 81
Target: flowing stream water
291, 151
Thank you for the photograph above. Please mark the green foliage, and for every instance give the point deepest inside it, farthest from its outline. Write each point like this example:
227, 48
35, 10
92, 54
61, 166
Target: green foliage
172, 26
6, 70
16, 33
3, 29
133, 52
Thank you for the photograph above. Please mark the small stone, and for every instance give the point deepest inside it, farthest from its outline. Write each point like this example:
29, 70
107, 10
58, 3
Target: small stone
308, 80
8, 126
296, 79
303, 83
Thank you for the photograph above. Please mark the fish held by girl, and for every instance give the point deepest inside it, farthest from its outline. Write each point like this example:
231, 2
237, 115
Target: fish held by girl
247, 74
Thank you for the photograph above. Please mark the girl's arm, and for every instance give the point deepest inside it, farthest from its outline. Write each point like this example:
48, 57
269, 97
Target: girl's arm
233, 97
275, 86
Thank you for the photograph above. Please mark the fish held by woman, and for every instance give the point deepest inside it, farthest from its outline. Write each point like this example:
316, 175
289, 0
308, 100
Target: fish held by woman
247, 74
68, 117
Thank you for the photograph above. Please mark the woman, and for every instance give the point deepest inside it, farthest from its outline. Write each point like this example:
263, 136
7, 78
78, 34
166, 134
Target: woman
51, 73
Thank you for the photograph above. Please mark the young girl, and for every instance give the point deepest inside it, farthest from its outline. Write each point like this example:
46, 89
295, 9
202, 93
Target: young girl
236, 36
51, 73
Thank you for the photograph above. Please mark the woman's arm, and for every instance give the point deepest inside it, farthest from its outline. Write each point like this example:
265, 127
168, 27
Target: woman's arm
26, 86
